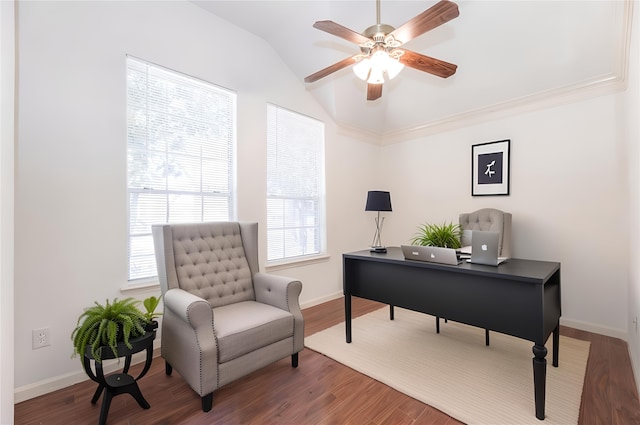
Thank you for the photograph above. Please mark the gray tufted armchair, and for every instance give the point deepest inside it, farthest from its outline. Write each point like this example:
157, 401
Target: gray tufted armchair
488, 219
223, 319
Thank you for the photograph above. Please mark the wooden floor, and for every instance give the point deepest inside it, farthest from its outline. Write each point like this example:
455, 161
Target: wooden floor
319, 391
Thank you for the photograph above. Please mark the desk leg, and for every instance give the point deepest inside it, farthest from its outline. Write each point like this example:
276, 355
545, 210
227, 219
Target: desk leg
539, 378
347, 316
391, 315
556, 345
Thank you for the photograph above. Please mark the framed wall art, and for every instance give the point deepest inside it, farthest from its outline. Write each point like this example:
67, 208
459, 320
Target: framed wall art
490, 166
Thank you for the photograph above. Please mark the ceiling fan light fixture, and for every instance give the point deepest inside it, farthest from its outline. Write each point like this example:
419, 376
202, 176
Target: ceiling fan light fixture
393, 67
376, 76
362, 68
379, 59
372, 69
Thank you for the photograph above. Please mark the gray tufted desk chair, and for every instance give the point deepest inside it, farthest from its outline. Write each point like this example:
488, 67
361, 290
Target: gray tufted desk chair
488, 219
223, 319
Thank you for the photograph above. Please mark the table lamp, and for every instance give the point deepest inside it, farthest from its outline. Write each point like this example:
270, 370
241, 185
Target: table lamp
378, 201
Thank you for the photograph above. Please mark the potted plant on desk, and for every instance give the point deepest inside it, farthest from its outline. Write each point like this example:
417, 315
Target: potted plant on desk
442, 235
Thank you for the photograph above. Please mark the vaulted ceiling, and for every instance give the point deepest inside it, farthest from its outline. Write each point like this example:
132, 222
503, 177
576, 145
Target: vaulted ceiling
509, 53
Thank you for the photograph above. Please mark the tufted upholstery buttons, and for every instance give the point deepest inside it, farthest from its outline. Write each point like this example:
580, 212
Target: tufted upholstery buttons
212, 264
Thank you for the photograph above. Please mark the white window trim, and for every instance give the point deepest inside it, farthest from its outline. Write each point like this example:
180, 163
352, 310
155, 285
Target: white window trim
230, 192
321, 254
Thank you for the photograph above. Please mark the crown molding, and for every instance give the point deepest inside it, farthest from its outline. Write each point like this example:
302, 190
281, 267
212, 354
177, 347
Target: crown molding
547, 99
602, 85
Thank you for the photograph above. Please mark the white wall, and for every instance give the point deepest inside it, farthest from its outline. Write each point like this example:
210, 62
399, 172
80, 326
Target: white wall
568, 197
632, 113
7, 132
571, 172
71, 246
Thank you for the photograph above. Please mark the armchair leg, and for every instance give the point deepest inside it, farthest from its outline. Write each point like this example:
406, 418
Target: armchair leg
167, 368
207, 402
294, 360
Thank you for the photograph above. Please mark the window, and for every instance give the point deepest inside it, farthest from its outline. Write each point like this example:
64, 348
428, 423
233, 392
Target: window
180, 157
295, 185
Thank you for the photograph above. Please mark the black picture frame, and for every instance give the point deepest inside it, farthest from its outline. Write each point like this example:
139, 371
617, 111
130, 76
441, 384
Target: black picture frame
490, 168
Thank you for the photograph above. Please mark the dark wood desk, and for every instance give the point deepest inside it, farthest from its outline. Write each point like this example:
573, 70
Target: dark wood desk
519, 298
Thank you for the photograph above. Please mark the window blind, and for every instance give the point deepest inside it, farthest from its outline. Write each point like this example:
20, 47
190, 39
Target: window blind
181, 135
295, 185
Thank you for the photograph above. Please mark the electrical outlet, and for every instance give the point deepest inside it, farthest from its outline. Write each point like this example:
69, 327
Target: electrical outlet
40, 338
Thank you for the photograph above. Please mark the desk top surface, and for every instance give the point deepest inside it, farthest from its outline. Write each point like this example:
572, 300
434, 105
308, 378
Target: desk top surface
515, 268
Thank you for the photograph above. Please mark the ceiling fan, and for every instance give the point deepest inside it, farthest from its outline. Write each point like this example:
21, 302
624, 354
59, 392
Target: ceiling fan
380, 52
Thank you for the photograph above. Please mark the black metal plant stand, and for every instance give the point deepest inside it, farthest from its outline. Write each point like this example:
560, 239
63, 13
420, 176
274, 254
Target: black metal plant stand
119, 383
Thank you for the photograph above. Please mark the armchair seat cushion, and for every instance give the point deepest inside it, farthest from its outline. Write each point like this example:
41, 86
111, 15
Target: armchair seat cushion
249, 325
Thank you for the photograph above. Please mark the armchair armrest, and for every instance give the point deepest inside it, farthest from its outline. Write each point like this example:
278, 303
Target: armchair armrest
188, 339
278, 291
282, 292
190, 308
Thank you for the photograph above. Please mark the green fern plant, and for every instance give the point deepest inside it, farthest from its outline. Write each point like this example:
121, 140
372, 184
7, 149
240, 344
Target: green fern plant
443, 235
106, 325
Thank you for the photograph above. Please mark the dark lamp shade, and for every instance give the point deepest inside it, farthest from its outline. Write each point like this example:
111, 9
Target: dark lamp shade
378, 201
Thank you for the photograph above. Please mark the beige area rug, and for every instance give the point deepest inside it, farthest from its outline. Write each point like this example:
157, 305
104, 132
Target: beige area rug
454, 371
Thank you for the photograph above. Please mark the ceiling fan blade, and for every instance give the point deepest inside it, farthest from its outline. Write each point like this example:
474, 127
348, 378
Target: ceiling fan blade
427, 64
340, 31
436, 15
374, 91
330, 69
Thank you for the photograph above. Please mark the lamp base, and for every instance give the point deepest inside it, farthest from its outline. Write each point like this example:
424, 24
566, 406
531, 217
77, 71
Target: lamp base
378, 249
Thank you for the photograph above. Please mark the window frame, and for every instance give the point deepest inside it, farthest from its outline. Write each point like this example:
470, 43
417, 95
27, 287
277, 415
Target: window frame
224, 140
319, 199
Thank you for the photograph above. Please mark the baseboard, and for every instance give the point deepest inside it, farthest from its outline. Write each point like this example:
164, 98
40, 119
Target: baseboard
317, 301
593, 328
27, 392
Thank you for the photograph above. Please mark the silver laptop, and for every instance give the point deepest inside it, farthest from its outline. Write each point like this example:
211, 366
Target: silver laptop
484, 248
431, 254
